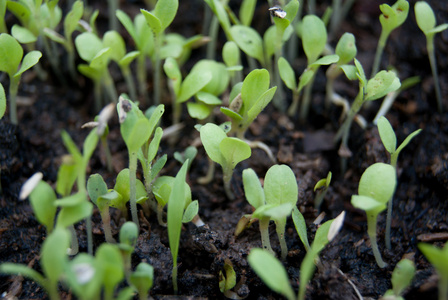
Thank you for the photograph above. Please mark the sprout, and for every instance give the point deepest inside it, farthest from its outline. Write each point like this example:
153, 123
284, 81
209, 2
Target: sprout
439, 260
401, 279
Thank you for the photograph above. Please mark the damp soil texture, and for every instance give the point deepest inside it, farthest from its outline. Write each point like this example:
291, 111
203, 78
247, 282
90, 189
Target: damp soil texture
347, 267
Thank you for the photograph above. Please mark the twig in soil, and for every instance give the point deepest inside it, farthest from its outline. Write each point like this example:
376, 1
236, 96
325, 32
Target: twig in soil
352, 284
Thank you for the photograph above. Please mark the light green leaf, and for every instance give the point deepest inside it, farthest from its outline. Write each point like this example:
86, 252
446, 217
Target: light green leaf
383, 83
325, 60
29, 61
259, 105
198, 111
115, 42
252, 188
73, 214
249, 41
11, 54
424, 15
247, 9
299, 223
71, 200
2, 101
231, 53
96, 187
402, 276
378, 182
350, 71
211, 137
305, 78
231, 114
42, 200
407, 140
437, 257
128, 58
110, 261
54, 254
367, 204
314, 37
165, 11
154, 23
438, 29
346, 48
142, 278
234, 150
88, 45
321, 237
387, 135
22, 34
220, 77
254, 86
155, 118
72, 18
192, 84
127, 23
271, 271
280, 185
287, 73
191, 211
208, 98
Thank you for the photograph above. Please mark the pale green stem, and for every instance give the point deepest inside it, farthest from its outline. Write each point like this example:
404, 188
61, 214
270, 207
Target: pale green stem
174, 276
264, 231
53, 58
97, 95
294, 104
160, 215
432, 61
279, 97
110, 87
227, 178
113, 22
106, 150
311, 7
213, 34
74, 246
129, 82
132, 186
379, 52
210, 173
371, 231
157, 69
306, 100
13, 89
141, 77
280, 228
105, 217
71, 64
335, 16
393, 162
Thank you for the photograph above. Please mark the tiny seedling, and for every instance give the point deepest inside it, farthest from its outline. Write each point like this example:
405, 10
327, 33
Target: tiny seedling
273, 202
377, 87
389, 140
142, 279
158, 20
391, 18
224, 150
401, 279
227, 281
189, 153
11, 54
176, 216
346, 50
93, 50
376, 187
274, 274
439, 260
426, 21
128, 241
321, 187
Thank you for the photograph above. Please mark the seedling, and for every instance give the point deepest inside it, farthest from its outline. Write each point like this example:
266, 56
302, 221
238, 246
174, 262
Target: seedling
110, 262
439, 260
189, 153
426, 21
391, 18
389, 140
128, 241
142, 279
11, 54
93, 50
158, 20
176, 216
376, 187
231, 57
314, 39
274, 274
401, 279
383, 83
346, 50
227, 281
53, 259
321, 187
224, 150
274, 202
134, 130
70, 23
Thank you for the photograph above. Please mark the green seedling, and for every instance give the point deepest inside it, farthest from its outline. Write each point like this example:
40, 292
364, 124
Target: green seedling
140, 32
322, 188
134, 130
70, 23
158, 20
128, 241
93, 50
274, 274
273, 202
232, 58
35, 16
110, 262
142, 279
376, 187
389, 140
220, 16
391, 18
162, 189
224, 150
439, 260
346, 50
401, 279
314, 38
377, 87
2, 101
115, 42
249, 100
97, 189
176, 216
426, 21
121, 193
11, 54
227, 281
53, 259
189, 153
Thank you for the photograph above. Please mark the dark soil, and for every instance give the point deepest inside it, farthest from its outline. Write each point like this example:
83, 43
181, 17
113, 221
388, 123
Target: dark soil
420, 206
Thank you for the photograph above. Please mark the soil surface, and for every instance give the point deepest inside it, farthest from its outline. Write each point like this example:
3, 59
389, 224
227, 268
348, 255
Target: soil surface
348, 269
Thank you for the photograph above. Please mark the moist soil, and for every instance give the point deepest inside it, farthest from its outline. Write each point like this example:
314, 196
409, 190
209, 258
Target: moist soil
348, 269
